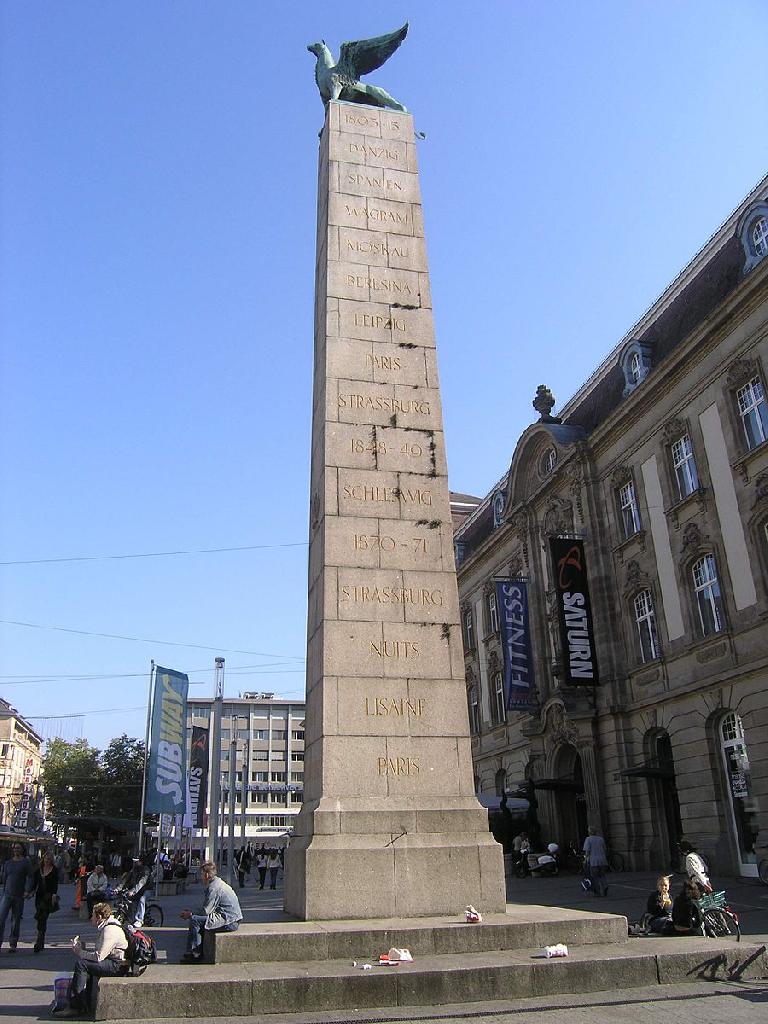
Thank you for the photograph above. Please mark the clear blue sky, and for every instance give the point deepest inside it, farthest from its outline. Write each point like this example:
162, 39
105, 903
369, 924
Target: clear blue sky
158, 197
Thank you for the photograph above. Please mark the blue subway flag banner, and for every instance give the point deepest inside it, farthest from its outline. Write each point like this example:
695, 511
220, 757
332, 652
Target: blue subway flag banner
575, 613
167, 769
514, 625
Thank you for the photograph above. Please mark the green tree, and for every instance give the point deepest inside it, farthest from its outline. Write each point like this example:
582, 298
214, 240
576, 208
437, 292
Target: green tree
71, 775
122, 770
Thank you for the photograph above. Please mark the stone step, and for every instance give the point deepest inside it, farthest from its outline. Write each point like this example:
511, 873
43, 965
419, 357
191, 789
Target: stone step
518, 928
226, 990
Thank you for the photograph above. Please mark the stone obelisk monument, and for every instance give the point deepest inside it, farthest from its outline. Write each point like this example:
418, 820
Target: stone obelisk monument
390, 826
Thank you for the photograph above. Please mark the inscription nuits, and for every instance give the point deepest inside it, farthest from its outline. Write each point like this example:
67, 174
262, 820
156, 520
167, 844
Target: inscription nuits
396, 649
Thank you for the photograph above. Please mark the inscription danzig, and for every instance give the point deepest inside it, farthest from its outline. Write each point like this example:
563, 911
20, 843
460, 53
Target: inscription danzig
371, 492
366, 149
391, 595
383, 403
395, 649
397, 707
398, 766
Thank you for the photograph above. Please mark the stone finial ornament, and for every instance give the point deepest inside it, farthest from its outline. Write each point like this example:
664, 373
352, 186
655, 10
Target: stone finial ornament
341, 80
544, 403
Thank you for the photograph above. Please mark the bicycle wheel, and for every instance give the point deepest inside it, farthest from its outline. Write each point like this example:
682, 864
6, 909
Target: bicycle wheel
153, 916
762, 871
716, 923
615, 862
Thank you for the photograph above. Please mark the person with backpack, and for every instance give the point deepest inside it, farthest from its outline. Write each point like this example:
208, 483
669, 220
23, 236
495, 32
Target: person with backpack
106, 960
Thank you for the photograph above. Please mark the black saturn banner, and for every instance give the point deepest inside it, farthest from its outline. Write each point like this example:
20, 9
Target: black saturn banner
575, 613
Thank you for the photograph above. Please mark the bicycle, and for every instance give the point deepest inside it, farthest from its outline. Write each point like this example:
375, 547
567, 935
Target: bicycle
122, 906
615, 862
717, 918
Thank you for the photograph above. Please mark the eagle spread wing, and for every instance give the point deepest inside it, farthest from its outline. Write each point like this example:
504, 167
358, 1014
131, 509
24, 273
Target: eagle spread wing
365, 55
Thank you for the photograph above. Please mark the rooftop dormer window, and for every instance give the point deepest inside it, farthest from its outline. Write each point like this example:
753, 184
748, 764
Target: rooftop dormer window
760, 236
753, 235
636, 365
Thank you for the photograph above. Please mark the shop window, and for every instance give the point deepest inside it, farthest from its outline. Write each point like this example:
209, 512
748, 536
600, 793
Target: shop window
645, 620
684, 465
742, 802
707, 591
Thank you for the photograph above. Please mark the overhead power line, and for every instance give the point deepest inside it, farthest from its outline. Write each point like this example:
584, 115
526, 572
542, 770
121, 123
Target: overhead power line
153, 554
144, 640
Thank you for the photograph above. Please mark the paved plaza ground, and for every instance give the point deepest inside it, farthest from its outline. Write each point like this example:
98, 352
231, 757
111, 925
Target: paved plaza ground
26, 979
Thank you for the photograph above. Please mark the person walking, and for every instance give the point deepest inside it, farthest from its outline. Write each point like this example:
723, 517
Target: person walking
596, 862
46, 897
273, 863
261, 866
242, 865
17, 881
220, 912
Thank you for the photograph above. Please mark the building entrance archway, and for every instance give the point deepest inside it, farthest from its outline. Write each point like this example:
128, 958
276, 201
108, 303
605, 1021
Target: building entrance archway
570, 799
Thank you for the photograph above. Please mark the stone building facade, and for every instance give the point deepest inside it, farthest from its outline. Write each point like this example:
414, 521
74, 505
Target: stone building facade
659, 466
267, 771
20, 764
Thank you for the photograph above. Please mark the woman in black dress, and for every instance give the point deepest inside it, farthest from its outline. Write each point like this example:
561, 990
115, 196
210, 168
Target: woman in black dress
46, 895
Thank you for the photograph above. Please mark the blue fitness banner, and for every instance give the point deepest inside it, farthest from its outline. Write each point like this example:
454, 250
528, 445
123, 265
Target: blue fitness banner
167, 765
574, 611
514, 625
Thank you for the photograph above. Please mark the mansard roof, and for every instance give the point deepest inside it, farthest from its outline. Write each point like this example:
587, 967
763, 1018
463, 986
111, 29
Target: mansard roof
698, 290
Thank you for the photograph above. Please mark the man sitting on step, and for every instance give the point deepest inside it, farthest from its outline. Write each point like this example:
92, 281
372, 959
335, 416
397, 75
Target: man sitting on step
220, 912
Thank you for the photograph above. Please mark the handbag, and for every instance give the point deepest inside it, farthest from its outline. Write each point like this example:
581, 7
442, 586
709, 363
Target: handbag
54, 903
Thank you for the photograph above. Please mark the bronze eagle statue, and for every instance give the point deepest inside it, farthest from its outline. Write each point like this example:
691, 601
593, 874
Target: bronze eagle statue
341, 80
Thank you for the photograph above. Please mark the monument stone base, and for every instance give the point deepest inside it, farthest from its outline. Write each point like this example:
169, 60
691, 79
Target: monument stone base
353, 873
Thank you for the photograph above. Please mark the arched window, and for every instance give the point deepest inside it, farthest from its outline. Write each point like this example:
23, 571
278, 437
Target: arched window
548, 461
760, 236
645, 620
708, 600
500, 781
635, 368
743, 805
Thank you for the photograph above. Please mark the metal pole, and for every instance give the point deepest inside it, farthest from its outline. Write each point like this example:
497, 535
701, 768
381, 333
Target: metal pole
246, 777
215, 772
146, 757
232, 783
